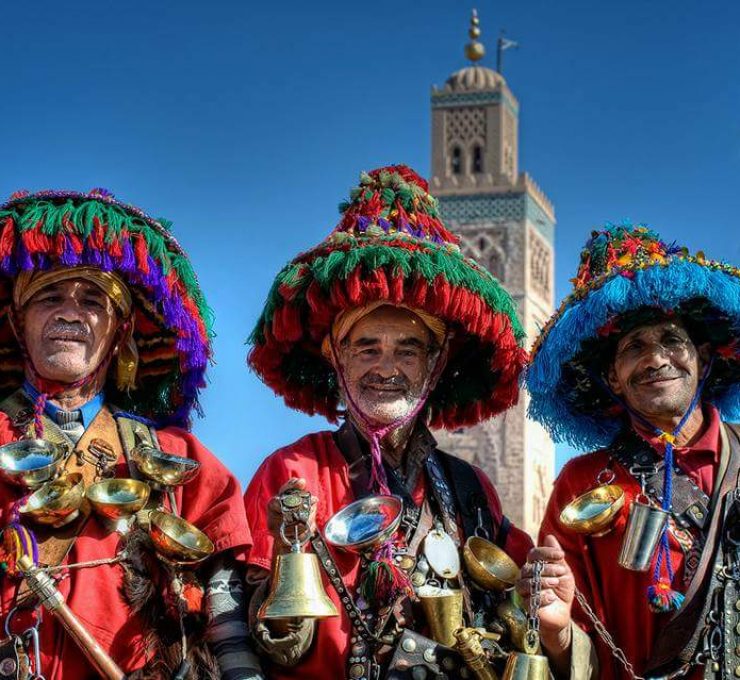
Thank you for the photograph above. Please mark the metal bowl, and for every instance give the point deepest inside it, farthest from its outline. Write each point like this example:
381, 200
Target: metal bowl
30, 463
117, 499
365, 523
178, 541
489, 566
594, 511
56, 502
164, 469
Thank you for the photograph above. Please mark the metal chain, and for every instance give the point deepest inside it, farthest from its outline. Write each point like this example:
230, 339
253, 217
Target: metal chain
605, 635
532, 636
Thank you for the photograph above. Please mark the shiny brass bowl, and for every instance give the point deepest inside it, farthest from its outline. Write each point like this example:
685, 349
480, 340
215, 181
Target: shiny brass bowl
178, 541
594, 511
164, 469
56, 502
117, 499
489, 566
365, 523
30, 463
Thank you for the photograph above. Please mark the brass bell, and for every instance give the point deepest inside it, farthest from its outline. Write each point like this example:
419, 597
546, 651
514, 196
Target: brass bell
527, 665
297, 590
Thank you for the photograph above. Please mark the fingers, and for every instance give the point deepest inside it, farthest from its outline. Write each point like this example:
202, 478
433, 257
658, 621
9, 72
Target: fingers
524, 586
549, 569
552, 542
297, 483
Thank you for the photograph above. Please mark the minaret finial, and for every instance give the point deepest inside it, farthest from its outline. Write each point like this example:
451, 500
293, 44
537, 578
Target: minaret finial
474, 50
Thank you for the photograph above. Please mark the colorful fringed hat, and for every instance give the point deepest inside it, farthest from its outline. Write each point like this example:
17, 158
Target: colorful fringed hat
171, 319
390, 244
628, 276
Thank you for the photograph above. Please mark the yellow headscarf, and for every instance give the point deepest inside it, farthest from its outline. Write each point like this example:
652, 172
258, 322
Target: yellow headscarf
345, 321
29, 283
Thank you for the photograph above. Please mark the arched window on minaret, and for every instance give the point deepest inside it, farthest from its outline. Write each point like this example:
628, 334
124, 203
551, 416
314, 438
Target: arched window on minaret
477, 159
456, 160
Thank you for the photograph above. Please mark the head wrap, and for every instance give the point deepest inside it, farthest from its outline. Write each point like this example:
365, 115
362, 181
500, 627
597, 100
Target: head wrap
30, 282
346, 320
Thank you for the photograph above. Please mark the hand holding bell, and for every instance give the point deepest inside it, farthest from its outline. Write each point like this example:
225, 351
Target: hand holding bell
282, 521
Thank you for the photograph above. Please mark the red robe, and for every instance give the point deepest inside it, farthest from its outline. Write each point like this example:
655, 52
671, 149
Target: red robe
618, 596
212, 501
318, 460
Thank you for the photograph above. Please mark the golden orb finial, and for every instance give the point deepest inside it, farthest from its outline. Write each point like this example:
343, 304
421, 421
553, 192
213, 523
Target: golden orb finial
474, 50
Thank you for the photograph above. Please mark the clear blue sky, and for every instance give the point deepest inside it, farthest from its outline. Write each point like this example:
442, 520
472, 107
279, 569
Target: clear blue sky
246, 123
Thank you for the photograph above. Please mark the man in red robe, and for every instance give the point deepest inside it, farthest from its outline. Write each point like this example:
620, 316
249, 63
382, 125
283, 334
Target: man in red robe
105, 347
641, 362
388, 317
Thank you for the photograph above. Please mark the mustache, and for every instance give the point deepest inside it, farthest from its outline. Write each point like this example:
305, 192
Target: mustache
375, 380
651, 374
67, 330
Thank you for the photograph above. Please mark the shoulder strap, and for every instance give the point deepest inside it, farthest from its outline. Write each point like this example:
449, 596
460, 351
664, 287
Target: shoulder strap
472, 502
133, 433
680, 634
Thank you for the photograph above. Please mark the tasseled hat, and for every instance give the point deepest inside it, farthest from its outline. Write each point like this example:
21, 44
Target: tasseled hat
390, 244
628, 275
171, 321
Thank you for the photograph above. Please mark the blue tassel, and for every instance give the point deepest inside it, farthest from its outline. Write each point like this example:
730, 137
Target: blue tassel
662, 598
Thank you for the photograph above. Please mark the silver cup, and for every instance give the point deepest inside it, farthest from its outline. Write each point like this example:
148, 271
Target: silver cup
644, 529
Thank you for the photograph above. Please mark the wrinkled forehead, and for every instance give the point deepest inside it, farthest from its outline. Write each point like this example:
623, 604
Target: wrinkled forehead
70, 287
654, 331
390, 323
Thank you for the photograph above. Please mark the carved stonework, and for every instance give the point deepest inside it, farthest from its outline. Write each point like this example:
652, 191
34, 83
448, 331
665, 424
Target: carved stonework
506, 223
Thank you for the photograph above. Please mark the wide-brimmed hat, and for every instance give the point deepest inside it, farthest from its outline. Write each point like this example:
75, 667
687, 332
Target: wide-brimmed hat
171, 321
390, 244
627, 275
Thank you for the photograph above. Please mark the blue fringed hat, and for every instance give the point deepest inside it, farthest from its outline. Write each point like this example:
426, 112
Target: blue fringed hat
628, 276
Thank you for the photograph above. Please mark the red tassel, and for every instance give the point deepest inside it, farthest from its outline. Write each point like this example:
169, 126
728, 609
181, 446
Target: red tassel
141, 251
7, 239
286, 324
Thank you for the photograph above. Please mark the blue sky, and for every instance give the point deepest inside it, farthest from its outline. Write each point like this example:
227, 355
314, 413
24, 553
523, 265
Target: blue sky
246, 123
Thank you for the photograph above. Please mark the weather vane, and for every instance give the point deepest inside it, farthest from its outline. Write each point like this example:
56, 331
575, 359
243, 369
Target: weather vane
502, 45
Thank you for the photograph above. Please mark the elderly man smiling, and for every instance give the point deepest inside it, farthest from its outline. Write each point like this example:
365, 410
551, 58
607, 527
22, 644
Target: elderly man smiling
105, 344
642, 360
388, 316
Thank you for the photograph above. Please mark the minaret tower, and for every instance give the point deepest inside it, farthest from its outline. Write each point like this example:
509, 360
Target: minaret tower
507, 224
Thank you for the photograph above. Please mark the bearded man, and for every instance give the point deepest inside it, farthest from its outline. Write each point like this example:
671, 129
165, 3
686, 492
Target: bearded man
387, 317
642, 361
105, 341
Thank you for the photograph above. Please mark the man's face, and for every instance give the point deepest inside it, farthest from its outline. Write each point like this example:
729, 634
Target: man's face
656, 369
387, 361
68, 329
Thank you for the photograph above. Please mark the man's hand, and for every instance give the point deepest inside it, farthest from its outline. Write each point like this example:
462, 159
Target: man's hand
275, 517
556, 599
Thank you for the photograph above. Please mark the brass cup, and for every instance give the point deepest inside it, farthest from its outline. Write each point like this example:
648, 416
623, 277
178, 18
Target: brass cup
385, 510
30, 463
489, 566
443, 608
178, 541
56, 502
594, 511
164, 469
117, 499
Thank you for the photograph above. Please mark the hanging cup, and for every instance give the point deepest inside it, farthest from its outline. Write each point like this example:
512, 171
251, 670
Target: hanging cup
644, 529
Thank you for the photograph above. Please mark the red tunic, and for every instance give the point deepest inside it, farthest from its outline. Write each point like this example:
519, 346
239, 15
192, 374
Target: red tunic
318, 460
618, 596
212, 501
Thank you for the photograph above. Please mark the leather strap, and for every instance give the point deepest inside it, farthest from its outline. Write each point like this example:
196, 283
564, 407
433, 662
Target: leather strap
680, 634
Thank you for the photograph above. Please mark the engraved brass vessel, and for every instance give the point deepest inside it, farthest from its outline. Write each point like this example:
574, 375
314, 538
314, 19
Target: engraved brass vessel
57, 502
177, 540
163, 469
594, 511
30, 463
119, 498
489, 566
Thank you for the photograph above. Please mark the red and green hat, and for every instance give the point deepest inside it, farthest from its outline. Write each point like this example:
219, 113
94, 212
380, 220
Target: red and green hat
391, 245
172, 322
629, 276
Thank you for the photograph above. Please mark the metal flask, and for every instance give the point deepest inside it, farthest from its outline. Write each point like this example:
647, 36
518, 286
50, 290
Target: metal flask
296, 590
443, 608
644, 529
